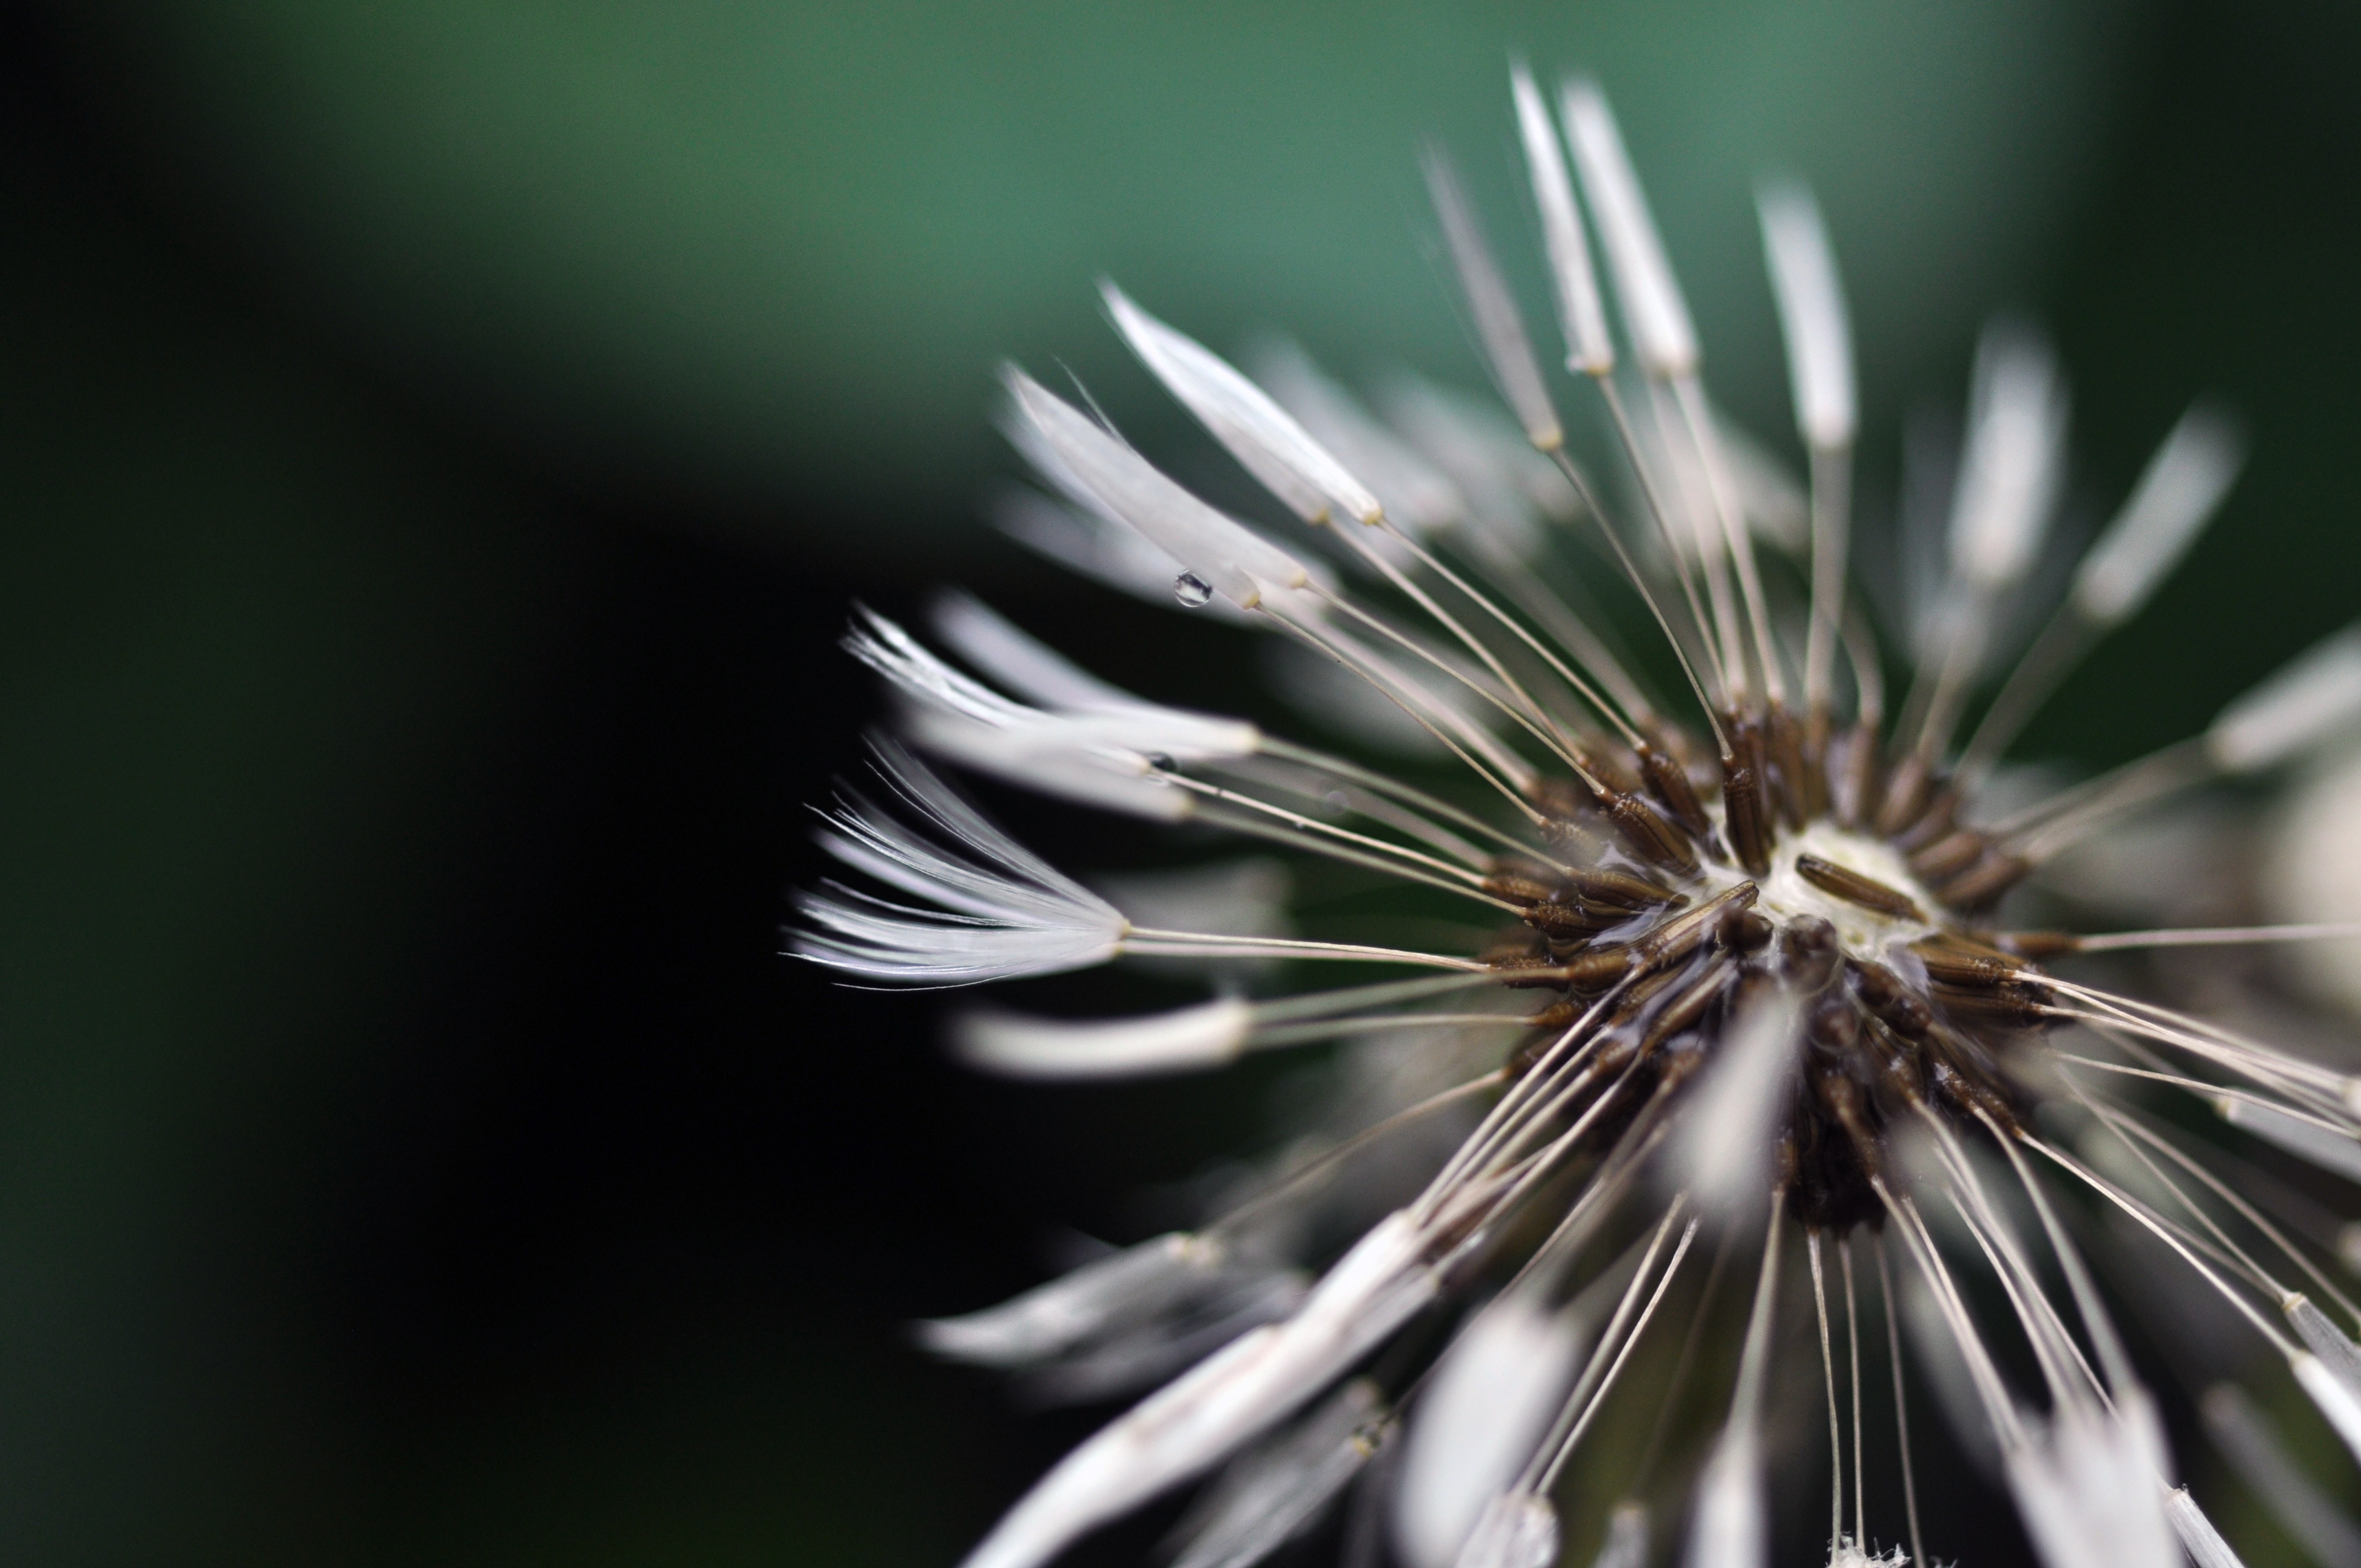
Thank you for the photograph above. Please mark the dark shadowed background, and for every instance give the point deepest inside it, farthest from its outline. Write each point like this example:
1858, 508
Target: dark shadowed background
438, 444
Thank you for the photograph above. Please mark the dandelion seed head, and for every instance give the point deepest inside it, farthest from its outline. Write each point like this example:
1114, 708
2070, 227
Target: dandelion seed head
1710, 959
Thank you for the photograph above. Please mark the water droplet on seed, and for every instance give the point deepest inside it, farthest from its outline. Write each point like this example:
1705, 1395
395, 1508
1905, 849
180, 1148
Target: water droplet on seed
1192, 590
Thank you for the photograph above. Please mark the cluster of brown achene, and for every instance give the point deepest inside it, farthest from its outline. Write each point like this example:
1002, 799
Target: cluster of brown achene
1666, 936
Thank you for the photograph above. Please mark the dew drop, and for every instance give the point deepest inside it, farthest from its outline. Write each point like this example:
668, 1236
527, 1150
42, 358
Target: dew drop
1192, 590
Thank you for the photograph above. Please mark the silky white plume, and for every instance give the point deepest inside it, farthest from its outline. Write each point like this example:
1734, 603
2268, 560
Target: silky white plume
1811, 313
1259, 433
1653, 311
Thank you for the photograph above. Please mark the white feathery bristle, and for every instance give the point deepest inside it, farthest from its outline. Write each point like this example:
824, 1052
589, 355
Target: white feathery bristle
1089, 544
1243, 417
2014, 462
1653, 311
1811, 313
1230, 558
1517, 1529
2176, 495
1417, 496
1626, 1545
2331, 1150
1850, 1553
994, 645
1221, 1404
918, 676
1039, 756
1144, 1353
2310, 876
2331, 1395
1078, 1306
2243, 1435
1100, 757
1273, 1494
2325, 1340
1721, 1147
1499, 329
2087, 1486
1491, 1397
2204, 1543
2313, 697
1580, 315
1001, 911
1187, 1040
1729, 1530
1091, 707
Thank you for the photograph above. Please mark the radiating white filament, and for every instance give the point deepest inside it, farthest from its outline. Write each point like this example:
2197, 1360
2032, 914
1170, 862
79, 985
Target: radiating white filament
1517, 1529
1081, 1305
1653, 311
1187, 1040
1000, 910
2204, 1543
2014, 462
1259, 433
1417, 497
2314, 696
1079, 455
1499, 329
1581, 316
2305, 1137
1491, 1398
1222, 1403
2177, 493
1276, 1492
1811, 314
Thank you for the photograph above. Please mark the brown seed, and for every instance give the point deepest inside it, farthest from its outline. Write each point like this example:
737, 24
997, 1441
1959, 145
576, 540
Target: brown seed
1669, 783
1893, 1005
2037, 944
1745, 931
1650, 834
2010, 1007
1816, 763
1947, 856
1835, 1023
1984, 881
1905, 796
1627, 892
1933, 823
1679, 936
1852, 775
1526, 970
1955, 960
1741, 801
1518, 889
1854, 888
1786, 746
1571, 923
1807, 944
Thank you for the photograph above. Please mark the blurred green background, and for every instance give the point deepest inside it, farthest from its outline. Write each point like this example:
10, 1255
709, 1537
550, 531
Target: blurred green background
439, 444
